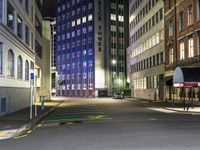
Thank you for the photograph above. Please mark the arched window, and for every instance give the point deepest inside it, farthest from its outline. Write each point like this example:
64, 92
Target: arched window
11, 63
19, 67
26, 70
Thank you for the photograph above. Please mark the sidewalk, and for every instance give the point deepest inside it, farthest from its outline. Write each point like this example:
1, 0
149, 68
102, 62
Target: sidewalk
17, 122
177, 107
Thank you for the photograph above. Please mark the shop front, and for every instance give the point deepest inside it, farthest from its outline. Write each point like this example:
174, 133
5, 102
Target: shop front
186, 84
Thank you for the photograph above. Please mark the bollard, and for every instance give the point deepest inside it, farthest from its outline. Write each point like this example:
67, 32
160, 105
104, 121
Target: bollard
42, 102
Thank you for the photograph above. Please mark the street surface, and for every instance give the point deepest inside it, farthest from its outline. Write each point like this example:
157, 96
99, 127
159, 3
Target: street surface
107, 124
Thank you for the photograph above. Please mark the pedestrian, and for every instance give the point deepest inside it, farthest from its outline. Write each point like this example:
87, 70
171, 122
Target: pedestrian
188, 104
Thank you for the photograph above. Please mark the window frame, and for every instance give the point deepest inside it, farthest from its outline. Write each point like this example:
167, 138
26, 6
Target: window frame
1, 58
11, 65
19, 67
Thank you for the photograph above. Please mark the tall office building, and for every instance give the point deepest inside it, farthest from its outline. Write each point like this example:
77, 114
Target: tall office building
21, 53
53, 55
146, 49
116, 43
91, 46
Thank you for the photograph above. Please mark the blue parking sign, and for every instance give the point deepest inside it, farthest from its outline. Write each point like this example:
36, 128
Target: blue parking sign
32, 76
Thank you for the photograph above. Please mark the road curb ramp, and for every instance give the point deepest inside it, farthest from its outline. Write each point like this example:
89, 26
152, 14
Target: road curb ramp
7, 134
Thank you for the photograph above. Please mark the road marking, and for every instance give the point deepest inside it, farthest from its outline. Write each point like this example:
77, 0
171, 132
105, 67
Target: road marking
21, 136
152, 119
39, 125
30, 131
161, 110
3, 133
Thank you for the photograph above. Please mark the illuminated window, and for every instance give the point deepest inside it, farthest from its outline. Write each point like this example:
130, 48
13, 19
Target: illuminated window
90, 17
157, 38
113, 17
153, 40
155, 82
182, 51
84, 19
145, 83
121, 18
73, 23
78, 21
191, 47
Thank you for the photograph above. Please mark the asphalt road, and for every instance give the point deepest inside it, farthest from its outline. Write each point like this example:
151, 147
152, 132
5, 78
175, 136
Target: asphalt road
107, 124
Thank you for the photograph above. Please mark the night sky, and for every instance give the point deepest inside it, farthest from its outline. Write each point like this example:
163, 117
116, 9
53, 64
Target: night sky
49, 8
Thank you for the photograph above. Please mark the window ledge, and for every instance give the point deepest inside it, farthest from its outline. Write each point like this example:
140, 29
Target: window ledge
20, 79
10, 77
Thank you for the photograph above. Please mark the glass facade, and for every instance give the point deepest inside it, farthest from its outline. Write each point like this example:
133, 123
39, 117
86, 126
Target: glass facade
75, 47
117, 45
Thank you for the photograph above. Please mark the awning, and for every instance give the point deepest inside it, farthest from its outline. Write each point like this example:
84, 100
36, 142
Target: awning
186, 77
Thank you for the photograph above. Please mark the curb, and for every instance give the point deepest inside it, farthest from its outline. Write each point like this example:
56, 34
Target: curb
182, 111
16, 132
171, 109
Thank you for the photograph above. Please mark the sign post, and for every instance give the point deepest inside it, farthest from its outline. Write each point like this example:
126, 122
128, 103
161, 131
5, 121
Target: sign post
32, 94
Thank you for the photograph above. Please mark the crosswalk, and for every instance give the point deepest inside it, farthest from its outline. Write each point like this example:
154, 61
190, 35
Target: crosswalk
73, 115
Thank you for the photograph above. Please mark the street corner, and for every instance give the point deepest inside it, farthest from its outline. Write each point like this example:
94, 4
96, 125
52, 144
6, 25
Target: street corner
7, 134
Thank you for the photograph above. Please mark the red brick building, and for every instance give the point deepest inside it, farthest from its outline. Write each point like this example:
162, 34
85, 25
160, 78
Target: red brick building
182, 38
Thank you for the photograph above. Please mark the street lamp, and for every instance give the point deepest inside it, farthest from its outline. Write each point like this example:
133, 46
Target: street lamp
114, 62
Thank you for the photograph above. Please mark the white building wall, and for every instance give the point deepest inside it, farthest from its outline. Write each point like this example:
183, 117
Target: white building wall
99, 50
151, 93
16, 91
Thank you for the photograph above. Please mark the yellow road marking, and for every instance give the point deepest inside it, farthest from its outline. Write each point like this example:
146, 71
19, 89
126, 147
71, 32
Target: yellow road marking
3, 133
22, 136
39, 125
99, 117
69, 123
30, 131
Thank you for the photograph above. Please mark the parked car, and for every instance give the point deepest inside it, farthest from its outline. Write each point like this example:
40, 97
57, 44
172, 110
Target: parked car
117, 95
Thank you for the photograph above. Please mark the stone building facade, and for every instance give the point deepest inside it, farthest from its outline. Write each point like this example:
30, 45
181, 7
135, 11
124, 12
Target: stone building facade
146, 48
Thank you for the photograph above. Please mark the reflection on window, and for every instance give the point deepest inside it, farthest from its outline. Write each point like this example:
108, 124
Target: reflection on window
10, 16
19, 67
10, 63
1, 10
19, 26
26, 70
